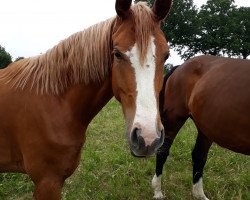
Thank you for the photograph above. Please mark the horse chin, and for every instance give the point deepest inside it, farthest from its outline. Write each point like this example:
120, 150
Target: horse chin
137, 156
141, 156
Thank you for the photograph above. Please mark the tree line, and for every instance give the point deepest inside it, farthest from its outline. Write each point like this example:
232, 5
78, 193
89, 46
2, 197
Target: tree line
218, 27
6, 58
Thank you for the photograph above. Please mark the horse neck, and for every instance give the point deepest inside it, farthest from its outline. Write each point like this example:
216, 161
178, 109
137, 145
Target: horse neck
87, 100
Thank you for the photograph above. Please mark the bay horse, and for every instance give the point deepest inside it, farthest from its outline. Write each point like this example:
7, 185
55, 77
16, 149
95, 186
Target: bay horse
215, 93
47, 101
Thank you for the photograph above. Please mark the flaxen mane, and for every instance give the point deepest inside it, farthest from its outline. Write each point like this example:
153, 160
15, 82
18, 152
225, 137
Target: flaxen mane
144, 24
83, 57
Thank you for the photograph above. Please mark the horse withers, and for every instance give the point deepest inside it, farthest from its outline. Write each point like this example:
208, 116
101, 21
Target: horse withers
48, 101
215, 93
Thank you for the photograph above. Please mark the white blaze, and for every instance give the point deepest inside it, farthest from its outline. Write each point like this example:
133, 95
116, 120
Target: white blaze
146, 106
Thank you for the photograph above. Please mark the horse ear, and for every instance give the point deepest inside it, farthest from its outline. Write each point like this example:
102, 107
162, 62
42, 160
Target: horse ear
161, 8
122, 8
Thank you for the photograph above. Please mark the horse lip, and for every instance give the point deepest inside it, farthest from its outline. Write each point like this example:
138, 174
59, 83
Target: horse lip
142, 154
137, 156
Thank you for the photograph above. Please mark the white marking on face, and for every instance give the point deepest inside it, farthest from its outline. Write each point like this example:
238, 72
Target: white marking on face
156, 185
198, 190
146, 106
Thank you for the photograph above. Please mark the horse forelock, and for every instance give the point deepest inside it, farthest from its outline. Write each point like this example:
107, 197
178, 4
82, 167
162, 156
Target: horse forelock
144, 22
81, 58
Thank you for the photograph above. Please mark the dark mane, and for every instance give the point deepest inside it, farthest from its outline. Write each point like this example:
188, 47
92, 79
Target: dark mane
162, 92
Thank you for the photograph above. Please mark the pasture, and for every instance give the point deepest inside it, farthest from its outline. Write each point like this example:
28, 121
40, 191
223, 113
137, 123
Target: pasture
108, 171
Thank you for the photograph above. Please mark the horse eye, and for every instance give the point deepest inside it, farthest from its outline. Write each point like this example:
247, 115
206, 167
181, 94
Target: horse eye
118, 54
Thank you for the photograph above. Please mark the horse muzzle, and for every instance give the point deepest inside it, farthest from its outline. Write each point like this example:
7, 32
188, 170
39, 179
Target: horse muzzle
145, 145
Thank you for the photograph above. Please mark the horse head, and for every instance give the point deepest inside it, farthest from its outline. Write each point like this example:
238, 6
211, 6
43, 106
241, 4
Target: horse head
139, 52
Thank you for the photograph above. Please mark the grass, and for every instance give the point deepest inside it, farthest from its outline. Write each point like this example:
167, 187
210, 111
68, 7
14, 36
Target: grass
108, 171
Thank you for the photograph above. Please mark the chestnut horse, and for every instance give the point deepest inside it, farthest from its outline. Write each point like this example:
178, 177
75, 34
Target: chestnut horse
48, 101
215, 93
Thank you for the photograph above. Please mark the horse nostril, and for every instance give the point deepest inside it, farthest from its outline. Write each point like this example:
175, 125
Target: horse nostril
136, 138
159, 141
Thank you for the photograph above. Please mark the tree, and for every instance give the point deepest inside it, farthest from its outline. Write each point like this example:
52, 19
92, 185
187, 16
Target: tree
181, 27
215, 23
168, 67
19, 58
218, 28
240, 36
5, 58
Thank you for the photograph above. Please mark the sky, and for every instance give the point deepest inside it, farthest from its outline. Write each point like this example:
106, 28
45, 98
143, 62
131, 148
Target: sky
31, 27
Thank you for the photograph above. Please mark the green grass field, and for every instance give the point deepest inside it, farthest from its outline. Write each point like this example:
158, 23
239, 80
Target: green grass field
108, 171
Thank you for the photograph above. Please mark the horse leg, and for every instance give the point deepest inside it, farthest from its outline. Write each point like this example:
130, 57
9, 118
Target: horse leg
199, 158
49, 169
161, 158
48, 188
171, 129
